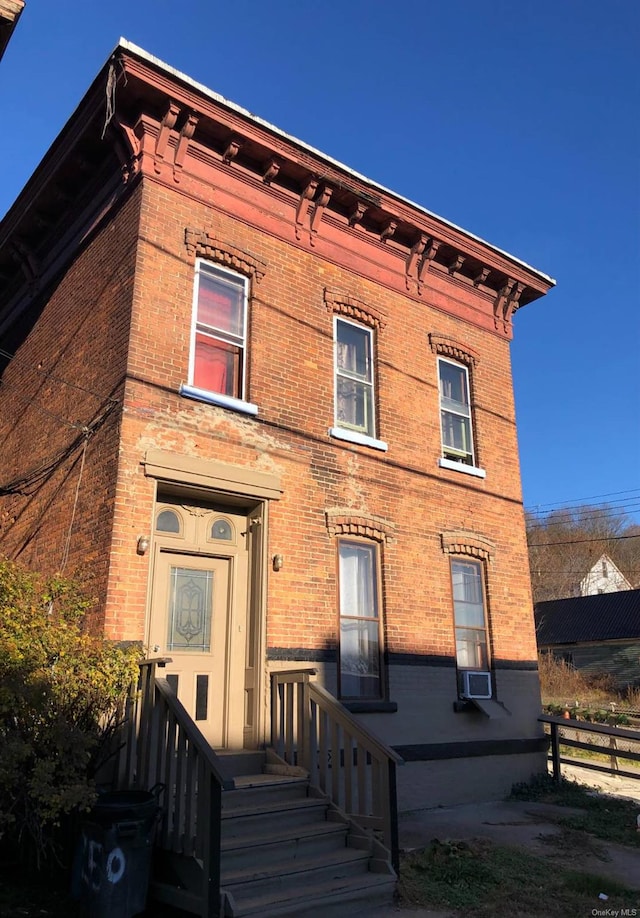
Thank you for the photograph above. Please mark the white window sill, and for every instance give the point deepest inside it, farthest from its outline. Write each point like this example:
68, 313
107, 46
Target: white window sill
216, 398
351, 436
461, 467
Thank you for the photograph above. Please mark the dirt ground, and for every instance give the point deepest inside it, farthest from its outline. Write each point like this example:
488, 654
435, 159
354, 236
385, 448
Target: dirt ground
526, 824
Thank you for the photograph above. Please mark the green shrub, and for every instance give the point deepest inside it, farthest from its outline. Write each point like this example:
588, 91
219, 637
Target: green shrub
60, 689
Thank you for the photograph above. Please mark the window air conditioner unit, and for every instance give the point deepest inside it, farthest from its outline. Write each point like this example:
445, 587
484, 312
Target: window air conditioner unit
476, 685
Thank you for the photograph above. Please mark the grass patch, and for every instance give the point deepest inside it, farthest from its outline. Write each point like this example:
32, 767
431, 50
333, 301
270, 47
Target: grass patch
608, 818
494, 881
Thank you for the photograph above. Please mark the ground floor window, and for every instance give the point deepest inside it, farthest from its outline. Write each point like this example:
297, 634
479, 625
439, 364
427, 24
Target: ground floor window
360, 666
472, 646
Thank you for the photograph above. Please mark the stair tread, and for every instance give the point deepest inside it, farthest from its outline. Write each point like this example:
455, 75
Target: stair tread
304, 830
257, 809
293, 866
294, 899
243, 782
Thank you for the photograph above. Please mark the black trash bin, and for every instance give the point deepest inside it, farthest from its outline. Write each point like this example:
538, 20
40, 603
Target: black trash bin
114, 854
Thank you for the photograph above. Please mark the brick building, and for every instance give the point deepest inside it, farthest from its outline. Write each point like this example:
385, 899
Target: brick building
264, 407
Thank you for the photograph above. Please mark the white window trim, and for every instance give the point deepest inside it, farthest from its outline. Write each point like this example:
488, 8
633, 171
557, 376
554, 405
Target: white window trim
453, 464
192, 339
461, 467
352, 436
371, 439
216, 398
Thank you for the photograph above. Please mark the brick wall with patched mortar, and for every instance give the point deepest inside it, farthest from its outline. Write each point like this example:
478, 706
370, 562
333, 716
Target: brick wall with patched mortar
290, 378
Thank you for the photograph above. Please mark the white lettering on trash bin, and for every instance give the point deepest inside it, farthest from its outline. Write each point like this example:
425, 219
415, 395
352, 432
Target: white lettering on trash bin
92, 856
116, 863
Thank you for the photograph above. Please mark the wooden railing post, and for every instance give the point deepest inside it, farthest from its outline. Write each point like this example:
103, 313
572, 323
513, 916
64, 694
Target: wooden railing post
212, 850
555, 752
392, 829
171, 749
351, 766
304, 725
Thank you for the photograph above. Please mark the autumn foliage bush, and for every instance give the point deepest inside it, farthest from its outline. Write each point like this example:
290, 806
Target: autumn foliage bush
60, 690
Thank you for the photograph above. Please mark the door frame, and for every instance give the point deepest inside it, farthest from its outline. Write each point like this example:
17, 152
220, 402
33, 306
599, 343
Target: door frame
240, 486
256, 512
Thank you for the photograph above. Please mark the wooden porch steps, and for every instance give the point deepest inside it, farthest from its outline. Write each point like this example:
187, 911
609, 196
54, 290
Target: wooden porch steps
286, 852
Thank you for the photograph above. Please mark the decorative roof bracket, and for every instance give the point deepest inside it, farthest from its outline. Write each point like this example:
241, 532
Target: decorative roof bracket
388, 230
232, 150
357, 213
323, 199
506, 303
411, 268
304, 203
166, 126
187, 132
271, 170
430, 253
481, 276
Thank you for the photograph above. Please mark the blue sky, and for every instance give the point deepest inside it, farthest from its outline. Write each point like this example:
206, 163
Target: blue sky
519, 121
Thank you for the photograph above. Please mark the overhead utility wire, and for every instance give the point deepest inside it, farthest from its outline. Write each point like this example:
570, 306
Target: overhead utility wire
586, 518
67, 423
577, 541
57, 378
579, 509
32, 479
580, 500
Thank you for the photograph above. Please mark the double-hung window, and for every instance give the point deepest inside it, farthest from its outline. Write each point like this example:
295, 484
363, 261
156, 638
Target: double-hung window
354, 396
219, 334
360, 644
455, 412
472, 651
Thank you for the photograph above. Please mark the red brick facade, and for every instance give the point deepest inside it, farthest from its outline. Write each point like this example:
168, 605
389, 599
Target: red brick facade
102, 342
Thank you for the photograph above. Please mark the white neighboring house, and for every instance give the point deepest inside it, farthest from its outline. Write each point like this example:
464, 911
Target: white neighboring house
604, 577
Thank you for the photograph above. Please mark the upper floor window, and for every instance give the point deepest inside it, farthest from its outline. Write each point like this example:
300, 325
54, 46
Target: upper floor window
360, 649
354, 395
472, 645
455, 412
219, 336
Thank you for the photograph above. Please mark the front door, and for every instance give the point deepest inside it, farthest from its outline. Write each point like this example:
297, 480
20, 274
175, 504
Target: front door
199, 613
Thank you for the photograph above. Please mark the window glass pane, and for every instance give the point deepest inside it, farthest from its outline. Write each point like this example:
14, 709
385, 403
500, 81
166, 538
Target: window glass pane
453, 383
357, 581
221, 302
450, 404
202, 697
359, 659
468, 604
168, 521
353, 405
221, 529
190, 609
359, 626
354, 350
217, 366
471, 649
456, 432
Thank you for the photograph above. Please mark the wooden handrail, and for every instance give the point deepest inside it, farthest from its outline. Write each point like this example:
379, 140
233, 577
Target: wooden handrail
590, 727
346, 718
556, 724
165, 746
312, 729
193, 734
